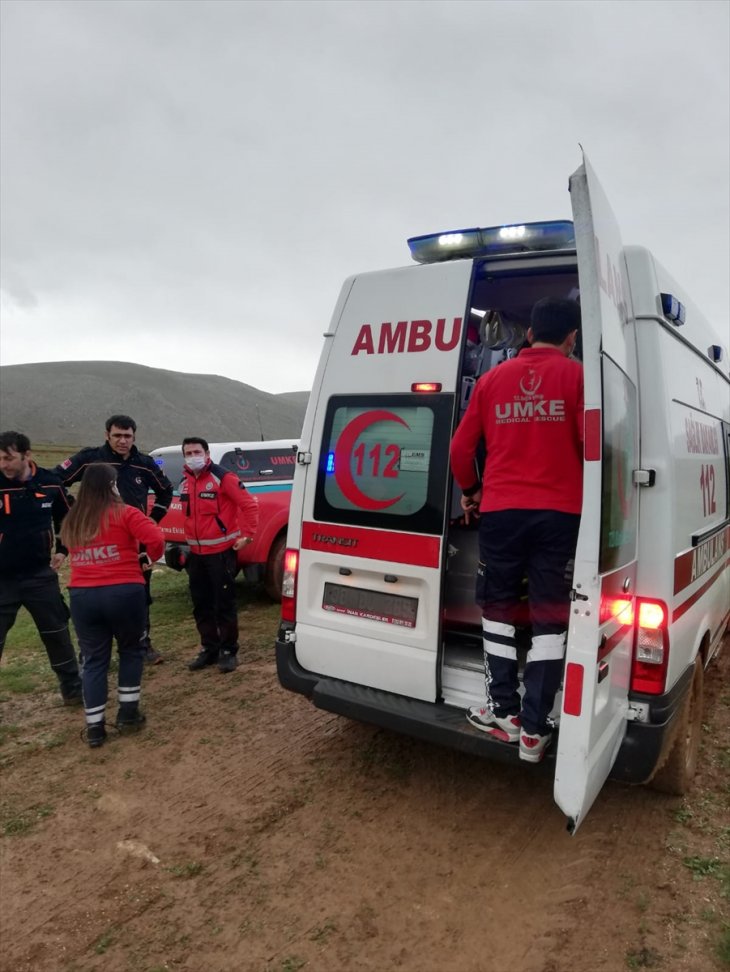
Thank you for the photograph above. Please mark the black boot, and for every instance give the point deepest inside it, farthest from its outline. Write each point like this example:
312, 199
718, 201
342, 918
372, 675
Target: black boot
203, 659
129, 718
96, 734
71, 693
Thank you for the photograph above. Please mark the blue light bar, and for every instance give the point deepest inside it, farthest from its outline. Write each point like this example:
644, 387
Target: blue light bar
494, 240
673, 309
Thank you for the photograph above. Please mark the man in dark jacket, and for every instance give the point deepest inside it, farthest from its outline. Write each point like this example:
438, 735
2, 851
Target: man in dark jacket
32, 504
137, 474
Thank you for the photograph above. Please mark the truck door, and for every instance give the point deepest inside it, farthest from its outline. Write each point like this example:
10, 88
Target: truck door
374, 501
598, 655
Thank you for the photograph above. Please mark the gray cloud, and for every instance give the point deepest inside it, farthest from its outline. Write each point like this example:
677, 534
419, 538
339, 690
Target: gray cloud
187, 184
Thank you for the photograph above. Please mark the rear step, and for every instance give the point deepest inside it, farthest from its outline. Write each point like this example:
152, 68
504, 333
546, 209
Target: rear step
432, 722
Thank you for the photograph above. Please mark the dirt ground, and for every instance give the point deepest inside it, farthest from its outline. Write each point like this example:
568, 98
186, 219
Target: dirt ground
246, 830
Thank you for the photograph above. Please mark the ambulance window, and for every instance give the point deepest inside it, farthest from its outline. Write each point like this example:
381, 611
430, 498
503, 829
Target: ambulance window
384, 462
619, 500
260, 465
172, 467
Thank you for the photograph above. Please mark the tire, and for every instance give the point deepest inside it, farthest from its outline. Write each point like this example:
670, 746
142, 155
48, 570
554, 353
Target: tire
675, 774
274, 570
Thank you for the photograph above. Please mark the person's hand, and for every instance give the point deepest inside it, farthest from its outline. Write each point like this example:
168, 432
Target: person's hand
57, 561
470, 506
242, 542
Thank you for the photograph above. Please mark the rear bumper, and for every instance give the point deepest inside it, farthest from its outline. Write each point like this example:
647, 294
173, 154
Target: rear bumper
645, 743
643, 746
433, 722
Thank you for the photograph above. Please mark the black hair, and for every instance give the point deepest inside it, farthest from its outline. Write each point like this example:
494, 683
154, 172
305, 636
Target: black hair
15, 441
195, 440
121, 422
553, 319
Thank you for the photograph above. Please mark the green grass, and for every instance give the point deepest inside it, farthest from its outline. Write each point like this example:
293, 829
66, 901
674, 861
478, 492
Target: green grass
722, 949
18, 824
189, 869
25, 670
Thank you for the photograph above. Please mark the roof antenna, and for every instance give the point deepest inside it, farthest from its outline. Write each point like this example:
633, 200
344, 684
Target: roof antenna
261, 428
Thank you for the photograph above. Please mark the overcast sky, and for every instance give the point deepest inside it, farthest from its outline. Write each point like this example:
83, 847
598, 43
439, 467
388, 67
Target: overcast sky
187, 184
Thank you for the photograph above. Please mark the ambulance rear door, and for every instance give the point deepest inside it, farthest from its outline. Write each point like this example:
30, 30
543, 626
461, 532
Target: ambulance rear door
374, 501
598, 657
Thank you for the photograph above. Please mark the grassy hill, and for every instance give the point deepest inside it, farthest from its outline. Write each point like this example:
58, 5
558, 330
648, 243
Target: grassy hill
67, 402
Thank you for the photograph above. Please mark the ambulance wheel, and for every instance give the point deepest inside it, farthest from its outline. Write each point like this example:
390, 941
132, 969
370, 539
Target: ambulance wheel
274, 572
676, 773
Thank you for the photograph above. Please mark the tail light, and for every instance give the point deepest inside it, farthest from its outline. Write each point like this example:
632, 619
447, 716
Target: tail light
289, 586
651, 647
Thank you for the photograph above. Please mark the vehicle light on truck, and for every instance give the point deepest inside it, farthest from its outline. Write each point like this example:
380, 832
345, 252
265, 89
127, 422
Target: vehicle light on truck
289, 585
492, 240
651, 648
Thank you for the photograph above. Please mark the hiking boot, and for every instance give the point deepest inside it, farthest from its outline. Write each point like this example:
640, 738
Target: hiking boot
153, 657
505, 729
228, 661
96, 734
533, 746
203, 660
129, 718
72, 696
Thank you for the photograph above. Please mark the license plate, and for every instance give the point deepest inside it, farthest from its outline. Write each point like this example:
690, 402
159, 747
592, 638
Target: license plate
357, 602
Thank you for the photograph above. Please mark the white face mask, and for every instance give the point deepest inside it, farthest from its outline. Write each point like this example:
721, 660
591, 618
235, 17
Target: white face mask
195, 462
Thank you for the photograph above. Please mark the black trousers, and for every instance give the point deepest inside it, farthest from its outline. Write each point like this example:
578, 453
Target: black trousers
538, 545
213, 592
39, 593
101, 614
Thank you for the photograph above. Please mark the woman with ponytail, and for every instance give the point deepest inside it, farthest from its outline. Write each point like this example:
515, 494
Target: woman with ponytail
107, 593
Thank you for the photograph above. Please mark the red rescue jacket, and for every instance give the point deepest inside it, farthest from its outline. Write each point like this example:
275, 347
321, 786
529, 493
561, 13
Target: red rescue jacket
529, 413
218, 509
112, 557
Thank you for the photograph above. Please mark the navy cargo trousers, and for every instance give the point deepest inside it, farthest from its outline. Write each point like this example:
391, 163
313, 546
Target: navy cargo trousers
100, 615
538, 545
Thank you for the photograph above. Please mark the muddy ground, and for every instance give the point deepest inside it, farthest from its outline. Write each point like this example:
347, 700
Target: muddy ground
246, 830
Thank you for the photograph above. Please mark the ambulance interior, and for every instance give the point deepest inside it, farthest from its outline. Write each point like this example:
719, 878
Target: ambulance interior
500, 305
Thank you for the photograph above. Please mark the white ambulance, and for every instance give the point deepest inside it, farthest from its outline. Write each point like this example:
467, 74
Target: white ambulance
378, 615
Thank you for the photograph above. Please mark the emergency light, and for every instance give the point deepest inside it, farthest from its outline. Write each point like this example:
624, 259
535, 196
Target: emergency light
492, 241
673, 309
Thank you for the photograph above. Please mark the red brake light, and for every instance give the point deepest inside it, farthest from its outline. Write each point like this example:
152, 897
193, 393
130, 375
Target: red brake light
651, 648
289, 585
651, 615
426, 386
619, 609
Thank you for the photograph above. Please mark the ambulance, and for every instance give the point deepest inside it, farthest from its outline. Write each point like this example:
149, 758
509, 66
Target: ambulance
379, 621
266, 469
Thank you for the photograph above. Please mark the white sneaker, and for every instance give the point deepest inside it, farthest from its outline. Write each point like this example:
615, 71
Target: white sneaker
532, 747
505, 729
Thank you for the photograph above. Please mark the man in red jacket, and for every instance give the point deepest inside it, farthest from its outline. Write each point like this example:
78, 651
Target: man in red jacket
220, 518
528, 411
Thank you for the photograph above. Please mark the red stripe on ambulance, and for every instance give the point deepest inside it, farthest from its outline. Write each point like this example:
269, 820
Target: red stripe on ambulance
398, 548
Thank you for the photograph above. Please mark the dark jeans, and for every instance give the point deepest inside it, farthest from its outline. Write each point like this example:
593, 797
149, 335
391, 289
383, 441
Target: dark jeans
40, 594
213, 592
101, 614
538, 545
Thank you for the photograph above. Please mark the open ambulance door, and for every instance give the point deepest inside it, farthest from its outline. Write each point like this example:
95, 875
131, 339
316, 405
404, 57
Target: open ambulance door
600, 634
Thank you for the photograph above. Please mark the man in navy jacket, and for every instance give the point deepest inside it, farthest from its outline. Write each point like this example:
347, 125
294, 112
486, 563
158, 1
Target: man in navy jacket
32, 505
137, 474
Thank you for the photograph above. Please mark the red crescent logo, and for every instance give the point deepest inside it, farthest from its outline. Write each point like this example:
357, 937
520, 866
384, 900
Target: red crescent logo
343, 454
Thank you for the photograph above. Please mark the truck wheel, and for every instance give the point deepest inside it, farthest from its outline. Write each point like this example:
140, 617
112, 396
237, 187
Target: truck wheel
677, 771
274, 572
